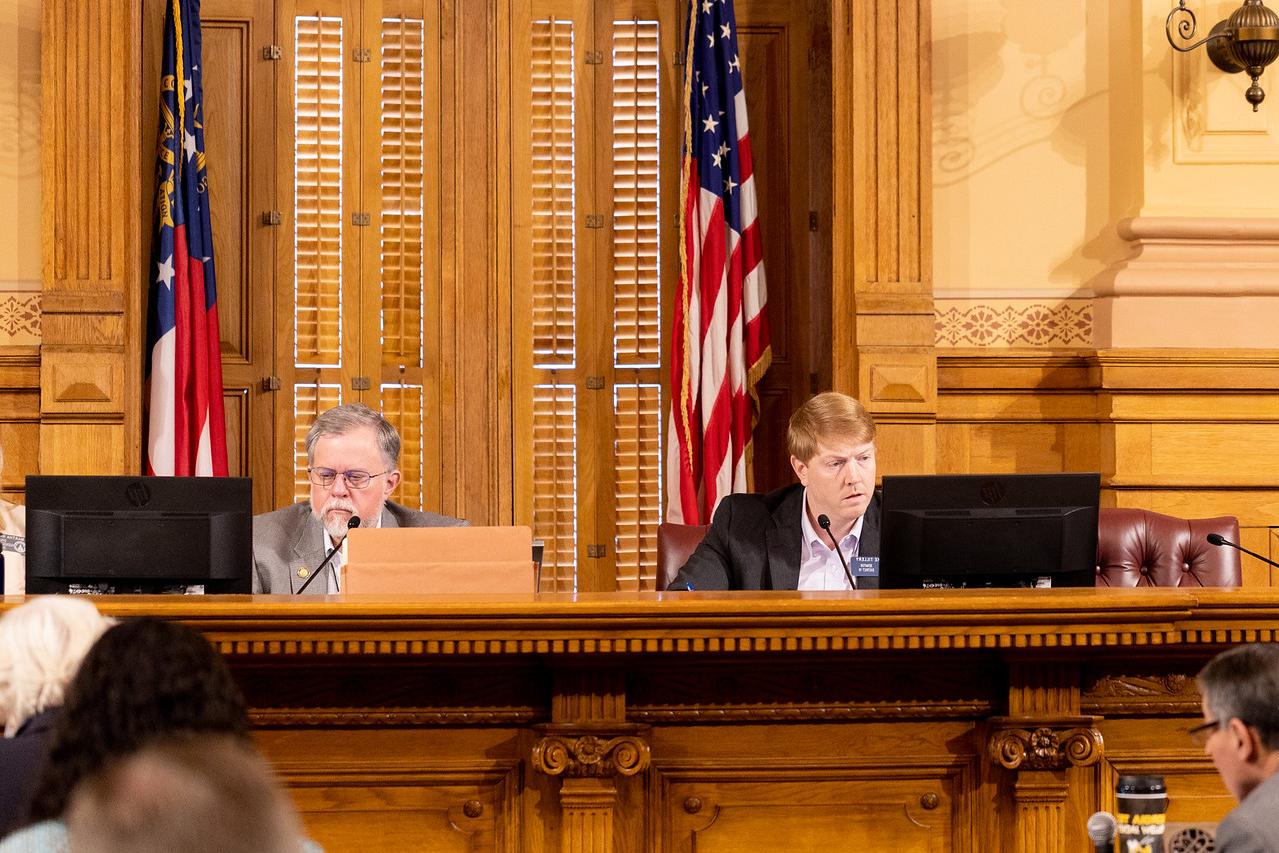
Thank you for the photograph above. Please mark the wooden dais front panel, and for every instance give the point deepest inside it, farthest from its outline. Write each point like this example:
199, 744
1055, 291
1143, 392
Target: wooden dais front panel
934, 721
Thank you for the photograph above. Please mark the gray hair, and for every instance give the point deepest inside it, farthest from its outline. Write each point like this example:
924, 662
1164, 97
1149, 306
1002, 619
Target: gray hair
348, 417
1243, 683
41, 646
208, 793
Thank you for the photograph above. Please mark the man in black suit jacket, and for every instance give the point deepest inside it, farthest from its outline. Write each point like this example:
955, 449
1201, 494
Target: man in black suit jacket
776, 541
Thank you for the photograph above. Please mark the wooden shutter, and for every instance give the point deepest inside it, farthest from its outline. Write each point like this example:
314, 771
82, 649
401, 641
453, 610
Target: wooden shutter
402, 257
594, 269
317, 204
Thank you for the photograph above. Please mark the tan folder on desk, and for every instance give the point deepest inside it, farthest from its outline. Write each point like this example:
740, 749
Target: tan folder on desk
427, 560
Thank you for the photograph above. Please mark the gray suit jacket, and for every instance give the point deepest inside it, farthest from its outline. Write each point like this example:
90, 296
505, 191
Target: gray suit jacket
1253, 825
755, 542
292, 538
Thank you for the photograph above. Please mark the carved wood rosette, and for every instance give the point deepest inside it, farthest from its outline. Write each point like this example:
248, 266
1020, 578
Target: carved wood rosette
589, 759
1040, 751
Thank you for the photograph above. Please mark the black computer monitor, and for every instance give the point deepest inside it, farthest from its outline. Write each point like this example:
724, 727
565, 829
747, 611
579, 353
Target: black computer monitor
989, 530
139, 534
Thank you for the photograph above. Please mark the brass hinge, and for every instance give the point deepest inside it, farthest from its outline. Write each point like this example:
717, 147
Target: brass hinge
594, 57
594, 220
361, 54
595, 383
271, 217
360, 218
595, 550
270, 383
272, 52
360, 383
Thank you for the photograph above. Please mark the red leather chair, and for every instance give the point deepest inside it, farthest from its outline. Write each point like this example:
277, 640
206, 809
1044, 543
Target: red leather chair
675, 544
1137, 547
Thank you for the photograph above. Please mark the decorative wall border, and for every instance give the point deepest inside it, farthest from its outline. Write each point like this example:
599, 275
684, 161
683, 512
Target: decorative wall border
1022, 322
20, 318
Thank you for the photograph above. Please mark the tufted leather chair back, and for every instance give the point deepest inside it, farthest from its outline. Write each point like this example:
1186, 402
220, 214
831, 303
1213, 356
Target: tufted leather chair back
675, 544
1137, 547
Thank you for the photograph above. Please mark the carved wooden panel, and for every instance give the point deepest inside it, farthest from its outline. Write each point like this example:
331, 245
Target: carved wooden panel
809, 809
854, 689
405, 798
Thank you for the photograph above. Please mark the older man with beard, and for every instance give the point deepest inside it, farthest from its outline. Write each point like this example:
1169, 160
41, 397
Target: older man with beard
352, 454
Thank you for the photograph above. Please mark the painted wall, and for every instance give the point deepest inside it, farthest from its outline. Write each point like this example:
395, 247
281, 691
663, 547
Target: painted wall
20, 172
1056, 125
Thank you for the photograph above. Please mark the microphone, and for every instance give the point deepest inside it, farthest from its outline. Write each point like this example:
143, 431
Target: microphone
824, 523
351, 523
1101, 830
1218, 539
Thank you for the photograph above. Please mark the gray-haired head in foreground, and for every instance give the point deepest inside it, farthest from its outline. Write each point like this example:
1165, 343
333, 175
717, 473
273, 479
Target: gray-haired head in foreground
204, 794
41, 646
1243, 683
349, 417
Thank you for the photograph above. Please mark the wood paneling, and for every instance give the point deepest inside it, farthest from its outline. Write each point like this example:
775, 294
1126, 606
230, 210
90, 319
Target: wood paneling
770, 719
91, 344
882, 315
1183, 432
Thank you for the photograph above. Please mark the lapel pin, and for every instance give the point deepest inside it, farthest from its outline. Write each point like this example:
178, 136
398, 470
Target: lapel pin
302, 572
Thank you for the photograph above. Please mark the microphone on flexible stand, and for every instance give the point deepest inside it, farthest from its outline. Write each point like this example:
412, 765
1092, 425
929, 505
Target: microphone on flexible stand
1101, 831
1218, 539
351, 523
824, 523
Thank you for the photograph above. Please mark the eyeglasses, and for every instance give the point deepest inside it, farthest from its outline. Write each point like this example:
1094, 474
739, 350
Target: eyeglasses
1200, 733
326, 477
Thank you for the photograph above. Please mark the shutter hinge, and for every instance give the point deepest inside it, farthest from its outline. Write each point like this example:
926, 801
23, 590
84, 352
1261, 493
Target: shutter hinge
678, 59
270, 383
271, 217
595, 550
272, 52
360, 218
595, 383
361, 54
594, 220
360, 383
594, 57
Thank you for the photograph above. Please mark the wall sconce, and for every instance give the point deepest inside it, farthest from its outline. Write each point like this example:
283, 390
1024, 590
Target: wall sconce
1246, 41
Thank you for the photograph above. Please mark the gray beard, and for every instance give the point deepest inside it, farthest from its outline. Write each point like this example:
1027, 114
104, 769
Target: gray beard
336, 527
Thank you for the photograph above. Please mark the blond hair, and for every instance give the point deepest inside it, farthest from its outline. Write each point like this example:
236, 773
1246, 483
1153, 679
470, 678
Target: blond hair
829, 415
41, 646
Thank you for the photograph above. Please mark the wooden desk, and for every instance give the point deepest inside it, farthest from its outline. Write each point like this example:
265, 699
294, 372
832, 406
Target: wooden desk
969, 721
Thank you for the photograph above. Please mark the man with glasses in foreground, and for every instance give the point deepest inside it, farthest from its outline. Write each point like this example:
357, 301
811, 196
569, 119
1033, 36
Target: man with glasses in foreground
352, 455
1240, 733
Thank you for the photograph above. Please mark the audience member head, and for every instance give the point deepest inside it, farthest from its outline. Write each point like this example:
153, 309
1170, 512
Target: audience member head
144, 679
831, 439
1240, 689
41, 645
209, 794
353, 455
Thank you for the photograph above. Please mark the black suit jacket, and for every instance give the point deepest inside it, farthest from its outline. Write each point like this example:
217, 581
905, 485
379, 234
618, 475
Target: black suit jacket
21, 762
755, 542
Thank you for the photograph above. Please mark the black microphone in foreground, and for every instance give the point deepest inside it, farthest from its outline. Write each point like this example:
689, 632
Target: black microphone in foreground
824, 523
1218, 539
1101, 831
351, 523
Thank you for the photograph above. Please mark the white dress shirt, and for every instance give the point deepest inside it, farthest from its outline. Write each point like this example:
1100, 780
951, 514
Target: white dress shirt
339, 560
819, 566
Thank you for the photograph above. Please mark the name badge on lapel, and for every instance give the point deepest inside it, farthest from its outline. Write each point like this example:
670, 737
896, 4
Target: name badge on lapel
865, 567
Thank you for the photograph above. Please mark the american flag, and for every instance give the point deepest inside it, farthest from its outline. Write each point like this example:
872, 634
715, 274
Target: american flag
720, 345
186, 433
